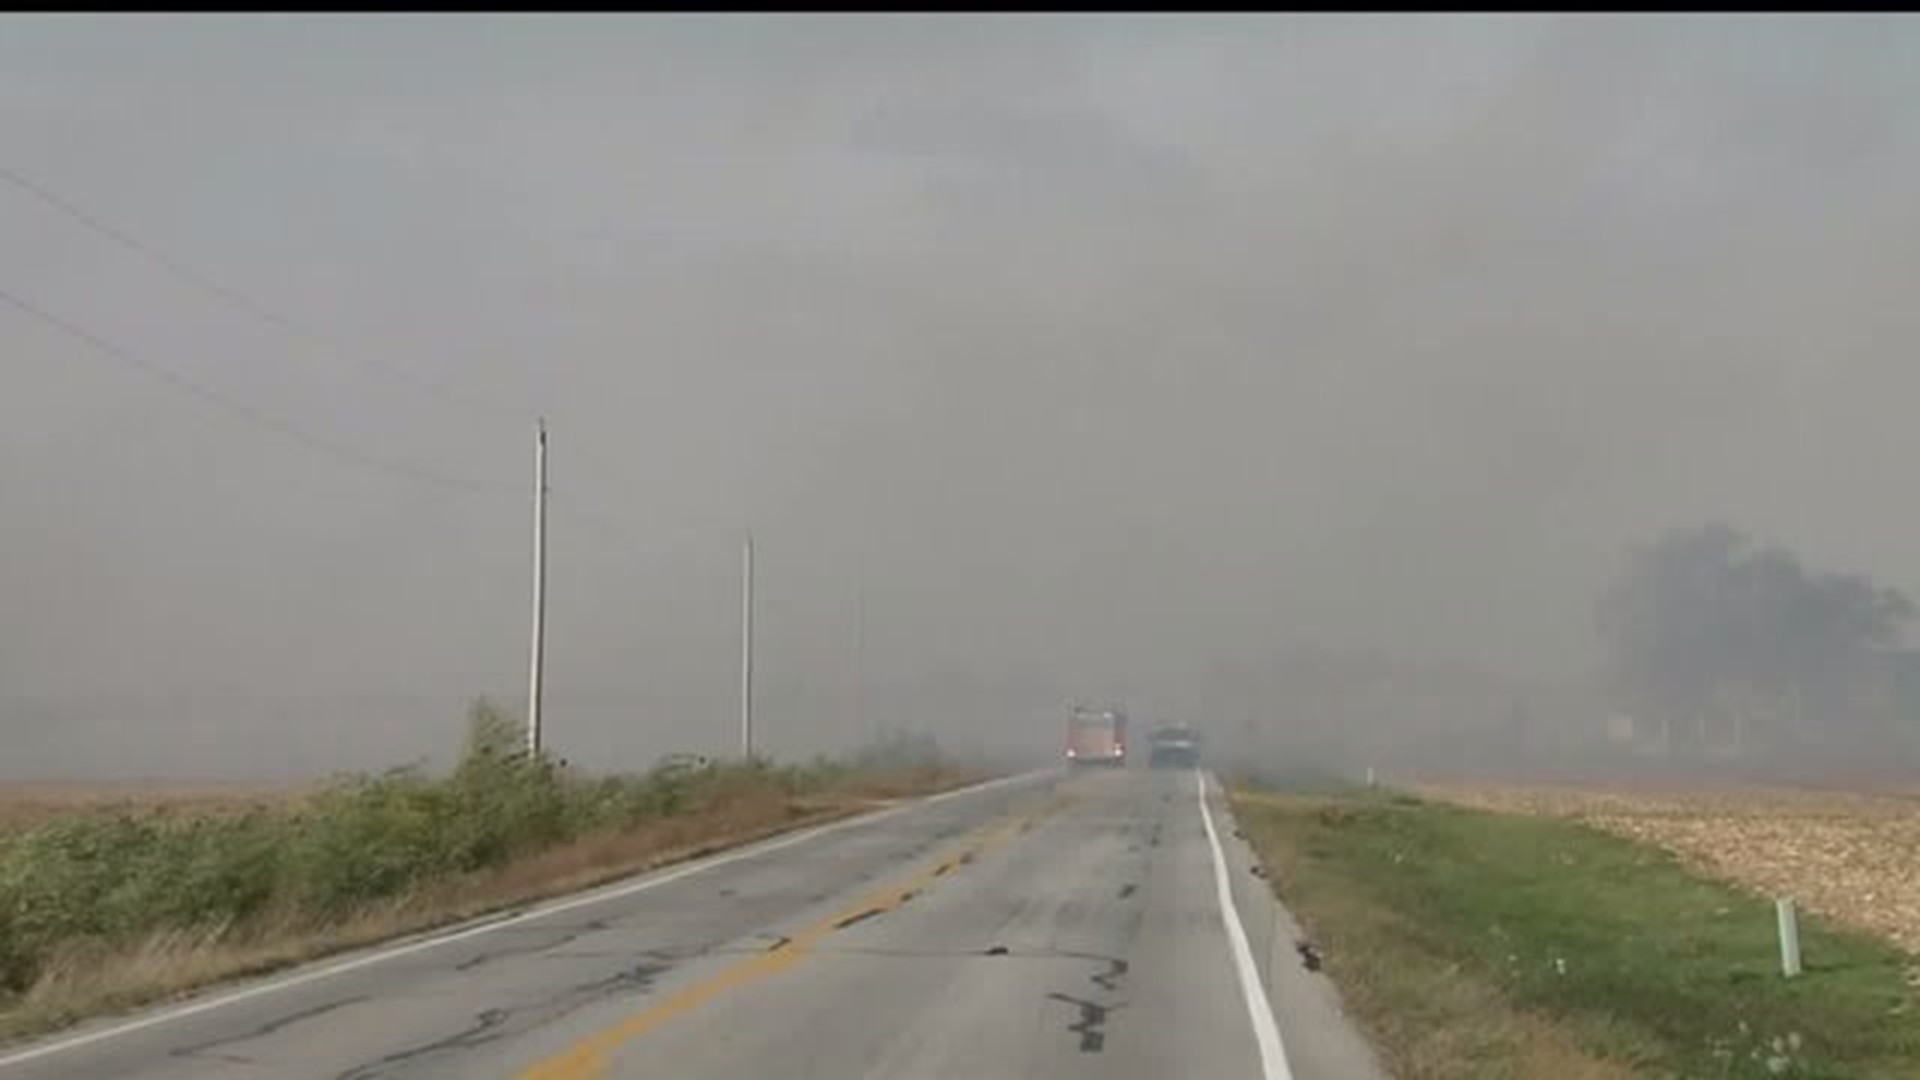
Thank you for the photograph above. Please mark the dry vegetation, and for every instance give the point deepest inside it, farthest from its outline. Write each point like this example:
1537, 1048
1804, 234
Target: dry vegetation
90, 977
23, 806
1852, 857
115, 896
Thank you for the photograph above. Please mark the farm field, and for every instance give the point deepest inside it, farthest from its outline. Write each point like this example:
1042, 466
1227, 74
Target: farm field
1482, 934
24, 805
1853, 857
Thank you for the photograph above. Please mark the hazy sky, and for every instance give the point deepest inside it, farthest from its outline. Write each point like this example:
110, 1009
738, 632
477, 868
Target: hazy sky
1103, 351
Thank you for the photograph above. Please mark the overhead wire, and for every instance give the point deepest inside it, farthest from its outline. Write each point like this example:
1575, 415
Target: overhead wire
238, 408
607, 530
618, 536
442, 389
240, 301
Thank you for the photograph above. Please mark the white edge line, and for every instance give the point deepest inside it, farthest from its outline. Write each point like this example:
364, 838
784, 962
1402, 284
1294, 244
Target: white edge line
458, 933
1273, 1055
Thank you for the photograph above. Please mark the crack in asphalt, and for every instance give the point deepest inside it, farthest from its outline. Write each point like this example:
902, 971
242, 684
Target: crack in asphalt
277, 1024
494, 1024
1109, 980
1093, 1018
567, 936
1091, 1027
485, 1029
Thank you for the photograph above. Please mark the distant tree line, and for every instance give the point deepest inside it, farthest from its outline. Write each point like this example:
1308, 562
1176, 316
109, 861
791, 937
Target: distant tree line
1714, 640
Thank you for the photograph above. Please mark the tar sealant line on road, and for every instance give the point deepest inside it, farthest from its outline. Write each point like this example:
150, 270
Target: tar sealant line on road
589, 1058
489, 924
1266, 1032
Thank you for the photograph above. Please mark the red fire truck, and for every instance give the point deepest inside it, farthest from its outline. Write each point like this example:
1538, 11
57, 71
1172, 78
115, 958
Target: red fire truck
1096, 736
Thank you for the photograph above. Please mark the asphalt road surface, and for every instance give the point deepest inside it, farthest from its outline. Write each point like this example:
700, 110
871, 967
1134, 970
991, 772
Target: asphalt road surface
1049, 926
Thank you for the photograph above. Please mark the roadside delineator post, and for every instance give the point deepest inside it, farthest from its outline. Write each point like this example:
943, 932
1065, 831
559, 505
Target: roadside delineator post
1789, 938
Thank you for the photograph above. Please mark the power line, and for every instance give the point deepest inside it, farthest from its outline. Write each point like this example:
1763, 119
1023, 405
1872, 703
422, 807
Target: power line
445, 391
240, 301
241, 409
604, 526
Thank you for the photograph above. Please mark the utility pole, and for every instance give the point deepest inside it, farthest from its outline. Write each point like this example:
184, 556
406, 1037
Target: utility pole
539, 586
746, 650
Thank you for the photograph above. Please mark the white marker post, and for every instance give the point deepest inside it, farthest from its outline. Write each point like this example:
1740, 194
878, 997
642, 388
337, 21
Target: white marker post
1789, 938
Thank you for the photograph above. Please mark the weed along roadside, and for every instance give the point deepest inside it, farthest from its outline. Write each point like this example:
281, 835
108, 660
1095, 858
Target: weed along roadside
103, 911
1486, 945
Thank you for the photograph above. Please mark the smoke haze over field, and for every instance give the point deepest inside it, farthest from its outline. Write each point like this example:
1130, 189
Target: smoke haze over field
1104, 356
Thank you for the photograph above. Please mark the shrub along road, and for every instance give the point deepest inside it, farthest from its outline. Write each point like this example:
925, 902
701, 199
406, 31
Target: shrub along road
102, 911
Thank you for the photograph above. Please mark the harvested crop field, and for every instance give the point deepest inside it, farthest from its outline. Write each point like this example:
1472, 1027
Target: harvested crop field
27, 805
1854, 858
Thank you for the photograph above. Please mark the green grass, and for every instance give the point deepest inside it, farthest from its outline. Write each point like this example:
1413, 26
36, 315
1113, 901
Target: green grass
1512, 933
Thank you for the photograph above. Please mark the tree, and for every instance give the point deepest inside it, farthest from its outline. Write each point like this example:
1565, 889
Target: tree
1701, 610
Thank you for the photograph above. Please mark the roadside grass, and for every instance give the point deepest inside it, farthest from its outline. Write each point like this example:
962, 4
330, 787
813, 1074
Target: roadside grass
1484, 945
102, 911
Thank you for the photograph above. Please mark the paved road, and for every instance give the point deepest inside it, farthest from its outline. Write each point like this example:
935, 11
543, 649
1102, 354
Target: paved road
1053, 926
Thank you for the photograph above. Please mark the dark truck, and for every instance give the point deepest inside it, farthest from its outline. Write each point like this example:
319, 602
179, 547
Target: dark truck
1173, 746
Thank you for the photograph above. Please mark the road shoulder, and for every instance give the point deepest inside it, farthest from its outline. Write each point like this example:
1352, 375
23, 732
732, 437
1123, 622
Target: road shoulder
1321, 1039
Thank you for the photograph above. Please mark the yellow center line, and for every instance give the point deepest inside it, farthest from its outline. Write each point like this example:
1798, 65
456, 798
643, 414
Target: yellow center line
589, 1058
